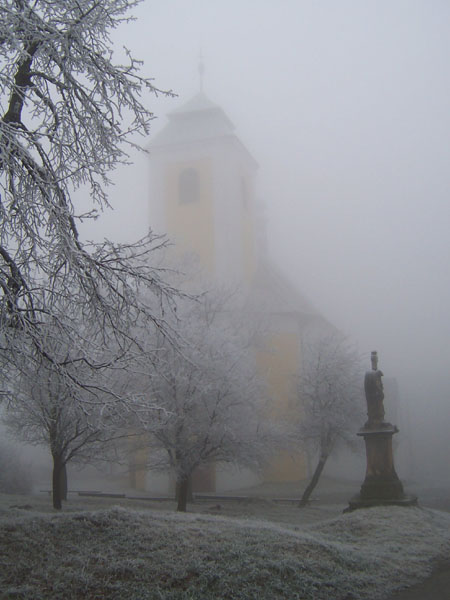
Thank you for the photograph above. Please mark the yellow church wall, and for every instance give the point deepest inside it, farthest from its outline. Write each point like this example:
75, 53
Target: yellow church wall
191, 224
138, 464
279, 363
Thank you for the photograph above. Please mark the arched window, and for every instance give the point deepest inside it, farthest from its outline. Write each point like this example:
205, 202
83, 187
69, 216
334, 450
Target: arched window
188, 186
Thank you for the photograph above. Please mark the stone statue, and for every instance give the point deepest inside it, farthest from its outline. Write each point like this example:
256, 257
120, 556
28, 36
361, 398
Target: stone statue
373, 388
381, 485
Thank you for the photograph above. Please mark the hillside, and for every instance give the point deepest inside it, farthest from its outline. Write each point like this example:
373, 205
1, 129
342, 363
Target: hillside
118, 553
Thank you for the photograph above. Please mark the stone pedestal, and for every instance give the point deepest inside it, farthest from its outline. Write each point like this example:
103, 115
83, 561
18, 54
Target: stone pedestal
381, 484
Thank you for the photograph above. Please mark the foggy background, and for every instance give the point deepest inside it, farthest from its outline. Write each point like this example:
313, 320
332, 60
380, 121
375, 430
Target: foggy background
345, 106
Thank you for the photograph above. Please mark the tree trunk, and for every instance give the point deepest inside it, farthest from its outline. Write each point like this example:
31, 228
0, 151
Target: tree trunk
190, 495
182, 494
63, 482
56, 482
314, 480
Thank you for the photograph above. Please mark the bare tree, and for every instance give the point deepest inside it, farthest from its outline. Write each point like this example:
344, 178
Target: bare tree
67, 114
210, 396
46, 408
330, 400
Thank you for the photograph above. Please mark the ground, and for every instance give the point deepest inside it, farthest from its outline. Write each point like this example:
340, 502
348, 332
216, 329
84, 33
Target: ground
252, 547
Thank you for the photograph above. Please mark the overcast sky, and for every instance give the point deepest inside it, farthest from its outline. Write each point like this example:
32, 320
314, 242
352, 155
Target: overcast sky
345, 105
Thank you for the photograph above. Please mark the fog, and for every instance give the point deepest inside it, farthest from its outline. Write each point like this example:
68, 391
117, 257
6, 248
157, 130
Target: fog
345, 106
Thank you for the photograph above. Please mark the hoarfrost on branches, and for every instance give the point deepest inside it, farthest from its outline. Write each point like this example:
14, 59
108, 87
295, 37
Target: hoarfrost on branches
210, 393
330, 399
67, 114
74, 411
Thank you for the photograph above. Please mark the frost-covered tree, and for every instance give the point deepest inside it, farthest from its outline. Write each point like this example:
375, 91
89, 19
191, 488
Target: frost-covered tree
210, 395
330, 400
77, 423
68, 111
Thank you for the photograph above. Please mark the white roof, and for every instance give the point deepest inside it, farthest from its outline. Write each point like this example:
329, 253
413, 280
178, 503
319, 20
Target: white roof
275, 293
197, 119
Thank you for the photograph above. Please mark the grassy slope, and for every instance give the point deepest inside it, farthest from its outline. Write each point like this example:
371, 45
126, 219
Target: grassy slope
122, 553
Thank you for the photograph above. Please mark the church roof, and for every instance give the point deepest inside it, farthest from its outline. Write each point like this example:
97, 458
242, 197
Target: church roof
198, 119
198, 103
272, 292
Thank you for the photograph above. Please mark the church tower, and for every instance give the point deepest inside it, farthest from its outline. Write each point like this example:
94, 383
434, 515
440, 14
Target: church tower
203, 197
202, 190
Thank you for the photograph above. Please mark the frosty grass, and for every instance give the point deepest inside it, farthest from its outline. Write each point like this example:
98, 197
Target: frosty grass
138, 554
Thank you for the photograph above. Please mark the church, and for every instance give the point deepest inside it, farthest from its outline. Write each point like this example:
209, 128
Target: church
202, 194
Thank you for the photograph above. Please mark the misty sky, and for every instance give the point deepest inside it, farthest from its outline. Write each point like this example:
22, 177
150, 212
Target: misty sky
346, 107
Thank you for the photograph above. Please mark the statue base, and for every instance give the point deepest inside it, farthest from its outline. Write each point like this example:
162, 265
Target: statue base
358, 502
381, 486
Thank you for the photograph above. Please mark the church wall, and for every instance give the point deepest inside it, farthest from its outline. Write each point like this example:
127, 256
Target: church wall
231, 259
279, 362
190, 224
220, 227
159, 483
138, 466
230, 478
157, 208
247, 205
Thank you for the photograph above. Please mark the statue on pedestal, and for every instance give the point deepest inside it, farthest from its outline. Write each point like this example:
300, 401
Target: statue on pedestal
381, 484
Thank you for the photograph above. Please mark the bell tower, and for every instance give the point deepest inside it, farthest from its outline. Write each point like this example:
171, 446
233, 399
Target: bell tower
203, 197
202, 190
